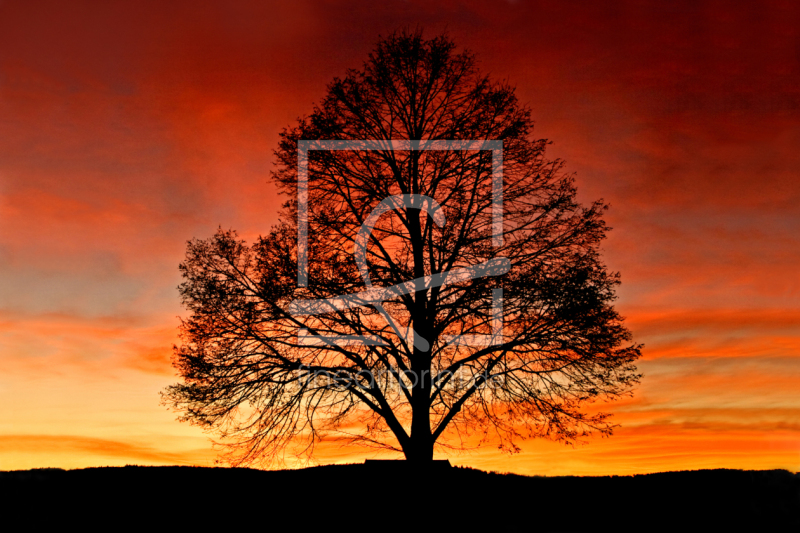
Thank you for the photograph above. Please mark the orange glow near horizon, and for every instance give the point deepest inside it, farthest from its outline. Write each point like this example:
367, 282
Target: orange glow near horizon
128, 128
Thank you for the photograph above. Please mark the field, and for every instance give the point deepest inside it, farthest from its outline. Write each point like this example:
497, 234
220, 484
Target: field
391, 497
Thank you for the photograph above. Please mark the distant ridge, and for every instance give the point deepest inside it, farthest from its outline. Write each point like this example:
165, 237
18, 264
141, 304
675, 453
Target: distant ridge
464, 499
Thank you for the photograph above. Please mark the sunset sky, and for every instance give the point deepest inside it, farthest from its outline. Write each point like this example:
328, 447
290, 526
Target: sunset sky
130, 127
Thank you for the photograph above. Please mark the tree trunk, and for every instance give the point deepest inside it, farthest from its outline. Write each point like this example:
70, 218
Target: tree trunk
420, 445
420, 449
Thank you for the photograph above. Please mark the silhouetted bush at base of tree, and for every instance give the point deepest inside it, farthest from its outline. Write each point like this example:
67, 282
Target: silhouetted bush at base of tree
373, 498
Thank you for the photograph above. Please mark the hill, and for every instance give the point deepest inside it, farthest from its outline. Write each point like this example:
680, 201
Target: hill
393, 498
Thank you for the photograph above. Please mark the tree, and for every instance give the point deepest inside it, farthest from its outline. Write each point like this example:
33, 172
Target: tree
503, 326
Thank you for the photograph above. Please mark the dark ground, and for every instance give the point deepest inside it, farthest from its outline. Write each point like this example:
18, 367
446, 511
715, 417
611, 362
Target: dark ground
381, 497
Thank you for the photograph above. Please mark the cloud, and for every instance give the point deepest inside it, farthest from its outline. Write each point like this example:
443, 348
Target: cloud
98, 346
61, 451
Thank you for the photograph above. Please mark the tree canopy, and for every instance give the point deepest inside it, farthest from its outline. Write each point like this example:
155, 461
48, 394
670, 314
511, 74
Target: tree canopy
407, 298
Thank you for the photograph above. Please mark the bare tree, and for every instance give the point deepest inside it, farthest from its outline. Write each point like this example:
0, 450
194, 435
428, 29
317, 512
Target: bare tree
392, 304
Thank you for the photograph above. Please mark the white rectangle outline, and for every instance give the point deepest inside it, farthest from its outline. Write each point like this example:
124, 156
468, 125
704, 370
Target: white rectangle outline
304, 146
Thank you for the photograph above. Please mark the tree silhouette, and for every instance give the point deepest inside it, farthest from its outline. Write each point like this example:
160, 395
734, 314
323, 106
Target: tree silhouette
436, 277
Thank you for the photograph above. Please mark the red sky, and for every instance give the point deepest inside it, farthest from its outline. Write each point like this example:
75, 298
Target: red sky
128, 128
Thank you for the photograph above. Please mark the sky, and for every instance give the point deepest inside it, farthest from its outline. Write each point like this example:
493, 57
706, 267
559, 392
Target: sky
128, 128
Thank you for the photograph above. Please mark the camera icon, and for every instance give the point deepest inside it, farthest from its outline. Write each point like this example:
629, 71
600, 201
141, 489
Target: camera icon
375, 296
